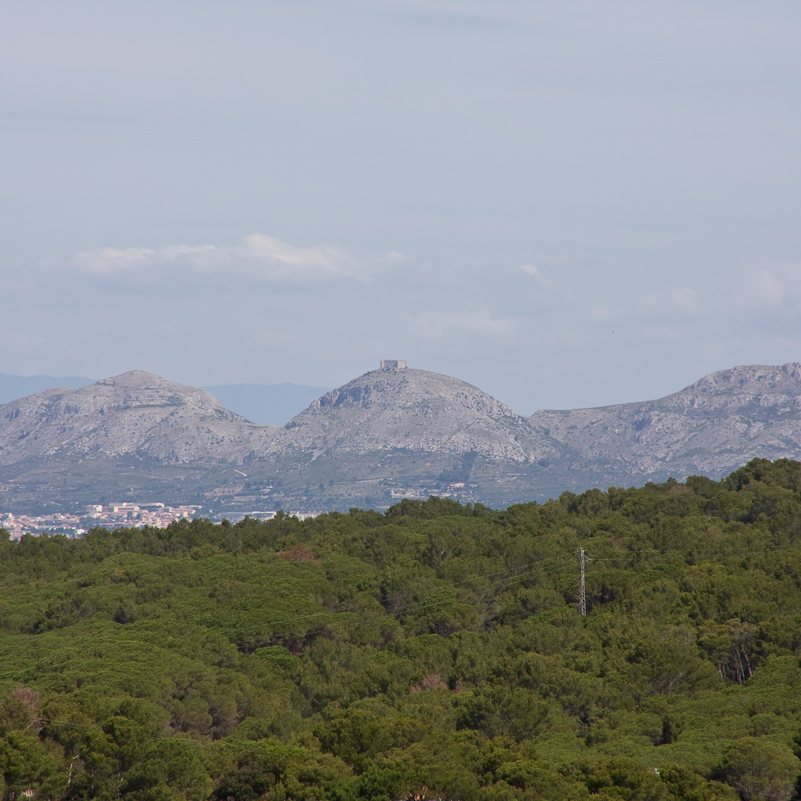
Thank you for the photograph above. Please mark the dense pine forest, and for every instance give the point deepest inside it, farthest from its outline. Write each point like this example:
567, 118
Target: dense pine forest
433, 651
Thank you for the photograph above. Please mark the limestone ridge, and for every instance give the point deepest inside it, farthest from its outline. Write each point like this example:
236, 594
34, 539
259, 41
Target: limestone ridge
133, 413
386, 434
420, 411
709, 428
391, 433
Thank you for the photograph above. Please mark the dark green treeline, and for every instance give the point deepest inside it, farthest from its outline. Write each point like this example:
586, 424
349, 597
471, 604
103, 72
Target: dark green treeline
433, 650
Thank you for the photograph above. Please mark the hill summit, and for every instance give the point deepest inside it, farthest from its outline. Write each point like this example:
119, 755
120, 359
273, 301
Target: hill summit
400, 432
420, 411
134, 413
710, 428
391, 433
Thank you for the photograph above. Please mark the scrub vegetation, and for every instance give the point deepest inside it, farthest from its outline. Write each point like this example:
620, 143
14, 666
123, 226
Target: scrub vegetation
434, 651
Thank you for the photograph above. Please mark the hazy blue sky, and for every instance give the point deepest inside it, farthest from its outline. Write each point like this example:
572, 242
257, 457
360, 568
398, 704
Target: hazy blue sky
565, 203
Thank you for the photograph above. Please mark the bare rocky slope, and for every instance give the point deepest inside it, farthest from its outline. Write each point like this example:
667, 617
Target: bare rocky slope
398, 432
136, 413
420, 411
709, 428
388, 434
132, 436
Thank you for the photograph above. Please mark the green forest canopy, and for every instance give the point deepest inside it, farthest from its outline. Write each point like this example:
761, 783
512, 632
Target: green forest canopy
431, 651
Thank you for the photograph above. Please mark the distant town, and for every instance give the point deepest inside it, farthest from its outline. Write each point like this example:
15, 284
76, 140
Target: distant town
120, 515
159, 515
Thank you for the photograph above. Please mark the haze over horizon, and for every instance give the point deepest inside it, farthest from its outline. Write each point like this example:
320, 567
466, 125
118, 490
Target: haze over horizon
564, 204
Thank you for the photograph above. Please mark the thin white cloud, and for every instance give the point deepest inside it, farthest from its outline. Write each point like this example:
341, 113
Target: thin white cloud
678, 301
456, 325
601, 313
558, 290
768, 289
535, 272
259, 257
271, 251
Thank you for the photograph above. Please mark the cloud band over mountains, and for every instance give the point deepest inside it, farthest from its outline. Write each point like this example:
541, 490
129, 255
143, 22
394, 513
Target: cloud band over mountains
301, 312
259, 258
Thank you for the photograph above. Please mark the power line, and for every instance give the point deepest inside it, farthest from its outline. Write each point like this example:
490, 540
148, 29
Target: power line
529, 571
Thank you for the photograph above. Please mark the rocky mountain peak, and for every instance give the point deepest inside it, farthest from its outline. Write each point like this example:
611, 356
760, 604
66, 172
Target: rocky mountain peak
136, 412
751, 379
709, 428
138, 388
413, 390
135, 379
392, 432
417, 410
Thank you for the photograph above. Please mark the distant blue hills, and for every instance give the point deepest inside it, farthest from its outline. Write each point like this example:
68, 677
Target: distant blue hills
264, 404
20, 386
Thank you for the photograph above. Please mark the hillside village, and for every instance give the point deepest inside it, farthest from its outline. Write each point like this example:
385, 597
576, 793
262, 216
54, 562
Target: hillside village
114, 516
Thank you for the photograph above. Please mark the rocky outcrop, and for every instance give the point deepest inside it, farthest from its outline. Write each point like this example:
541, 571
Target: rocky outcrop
388, 434
419, 411
709, 428
136, 413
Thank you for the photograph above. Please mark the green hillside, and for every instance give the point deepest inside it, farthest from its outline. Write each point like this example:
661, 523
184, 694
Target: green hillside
435, 650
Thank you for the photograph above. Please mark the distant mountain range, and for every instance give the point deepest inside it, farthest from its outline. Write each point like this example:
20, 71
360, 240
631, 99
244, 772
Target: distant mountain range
390, 433
263, 404
266, 404
709, 428
13, 387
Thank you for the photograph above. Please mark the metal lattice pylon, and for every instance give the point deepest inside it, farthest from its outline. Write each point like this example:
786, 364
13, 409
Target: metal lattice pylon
582, 601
